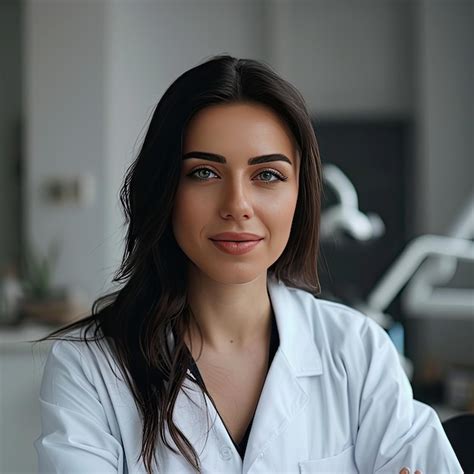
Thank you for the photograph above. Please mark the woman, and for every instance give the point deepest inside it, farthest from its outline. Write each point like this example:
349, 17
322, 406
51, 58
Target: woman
215, 355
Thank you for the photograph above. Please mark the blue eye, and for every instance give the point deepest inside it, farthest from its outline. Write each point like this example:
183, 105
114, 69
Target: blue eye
274, 173
271, 173
194, 173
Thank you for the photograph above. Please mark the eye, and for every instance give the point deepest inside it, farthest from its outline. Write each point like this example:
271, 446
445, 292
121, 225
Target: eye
273, 173
268, 172
193, 174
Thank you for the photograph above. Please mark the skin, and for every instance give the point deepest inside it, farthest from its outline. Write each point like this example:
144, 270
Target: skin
227, 293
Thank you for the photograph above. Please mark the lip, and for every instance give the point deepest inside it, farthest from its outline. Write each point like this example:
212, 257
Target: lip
236, 248
236, 236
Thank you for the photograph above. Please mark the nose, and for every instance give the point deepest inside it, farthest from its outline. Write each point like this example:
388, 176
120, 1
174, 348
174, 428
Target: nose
236, 202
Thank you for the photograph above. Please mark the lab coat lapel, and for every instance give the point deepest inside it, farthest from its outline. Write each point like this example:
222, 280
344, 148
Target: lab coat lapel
282, 395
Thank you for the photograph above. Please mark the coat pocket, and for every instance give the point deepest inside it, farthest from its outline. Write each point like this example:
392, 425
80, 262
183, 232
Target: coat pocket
341, 463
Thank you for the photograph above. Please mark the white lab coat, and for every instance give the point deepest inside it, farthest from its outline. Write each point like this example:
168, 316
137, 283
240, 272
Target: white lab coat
335, 399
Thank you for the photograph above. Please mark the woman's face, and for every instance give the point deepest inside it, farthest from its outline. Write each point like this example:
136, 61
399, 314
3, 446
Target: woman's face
235, 196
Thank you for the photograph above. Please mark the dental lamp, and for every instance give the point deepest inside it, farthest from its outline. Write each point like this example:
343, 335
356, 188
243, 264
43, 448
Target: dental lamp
425, 296
345, 217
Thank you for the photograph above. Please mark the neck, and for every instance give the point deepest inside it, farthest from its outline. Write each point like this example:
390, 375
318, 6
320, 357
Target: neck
231, 316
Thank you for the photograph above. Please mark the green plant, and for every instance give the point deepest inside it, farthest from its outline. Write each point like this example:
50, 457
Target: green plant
38, 270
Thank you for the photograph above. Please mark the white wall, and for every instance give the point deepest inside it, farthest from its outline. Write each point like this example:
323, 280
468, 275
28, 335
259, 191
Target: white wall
347, 58
64, 105
21, 370
445, 110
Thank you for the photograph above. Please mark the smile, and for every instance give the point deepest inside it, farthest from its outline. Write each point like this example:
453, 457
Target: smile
236, 248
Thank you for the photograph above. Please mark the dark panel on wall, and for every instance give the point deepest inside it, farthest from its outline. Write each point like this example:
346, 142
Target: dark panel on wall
376, 155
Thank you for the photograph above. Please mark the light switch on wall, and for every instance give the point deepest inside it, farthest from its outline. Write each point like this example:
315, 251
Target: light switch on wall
78, 190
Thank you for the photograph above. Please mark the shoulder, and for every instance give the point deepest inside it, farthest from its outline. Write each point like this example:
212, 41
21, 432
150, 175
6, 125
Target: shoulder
338, 328
348, 342
329, 316
79, 352
75, 343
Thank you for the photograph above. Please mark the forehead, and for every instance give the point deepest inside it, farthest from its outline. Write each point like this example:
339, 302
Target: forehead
244, 128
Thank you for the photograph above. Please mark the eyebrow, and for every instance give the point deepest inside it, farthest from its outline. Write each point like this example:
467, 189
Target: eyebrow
221, 159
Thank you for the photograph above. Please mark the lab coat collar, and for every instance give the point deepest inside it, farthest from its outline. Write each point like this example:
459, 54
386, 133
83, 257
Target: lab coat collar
293, 319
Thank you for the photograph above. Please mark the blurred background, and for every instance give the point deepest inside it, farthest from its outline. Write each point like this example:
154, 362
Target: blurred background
389, 88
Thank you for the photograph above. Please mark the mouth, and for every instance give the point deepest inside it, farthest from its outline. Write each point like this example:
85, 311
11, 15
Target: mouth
236, 247
236, 241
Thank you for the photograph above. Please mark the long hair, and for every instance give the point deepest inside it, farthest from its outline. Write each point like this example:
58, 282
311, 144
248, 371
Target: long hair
136, 319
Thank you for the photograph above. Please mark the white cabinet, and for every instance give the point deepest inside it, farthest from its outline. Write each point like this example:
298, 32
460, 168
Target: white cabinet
21, 369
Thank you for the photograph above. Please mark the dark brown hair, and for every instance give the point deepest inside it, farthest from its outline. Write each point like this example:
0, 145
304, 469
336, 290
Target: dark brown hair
136, 319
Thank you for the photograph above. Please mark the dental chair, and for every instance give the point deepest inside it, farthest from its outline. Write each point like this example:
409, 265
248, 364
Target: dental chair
460, 432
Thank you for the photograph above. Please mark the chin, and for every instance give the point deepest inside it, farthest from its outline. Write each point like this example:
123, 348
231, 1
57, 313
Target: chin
232, 276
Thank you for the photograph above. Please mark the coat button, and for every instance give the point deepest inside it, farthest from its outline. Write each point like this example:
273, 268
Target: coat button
225, 452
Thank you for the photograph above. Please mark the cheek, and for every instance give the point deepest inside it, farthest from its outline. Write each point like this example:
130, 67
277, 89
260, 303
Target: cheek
285, 221
279, 217
189, 213
280, 207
